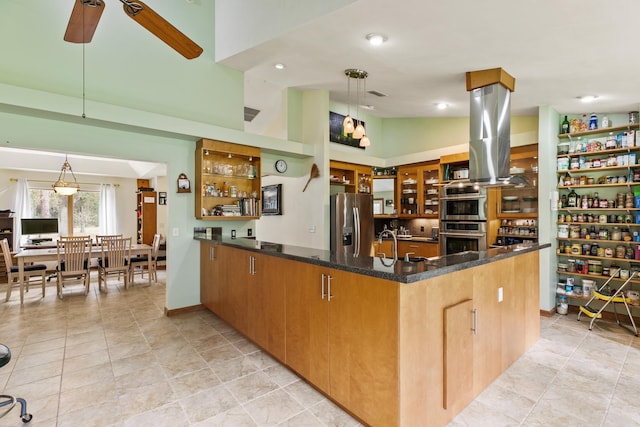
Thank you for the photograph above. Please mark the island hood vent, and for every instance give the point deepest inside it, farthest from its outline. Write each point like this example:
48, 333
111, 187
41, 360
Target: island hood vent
490, 128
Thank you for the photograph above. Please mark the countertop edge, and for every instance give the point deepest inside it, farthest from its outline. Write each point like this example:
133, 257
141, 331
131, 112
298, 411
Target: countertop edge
324, 258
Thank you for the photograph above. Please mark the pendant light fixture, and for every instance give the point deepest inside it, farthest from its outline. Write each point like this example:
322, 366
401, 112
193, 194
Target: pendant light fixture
359, 131
61, 186
347, 123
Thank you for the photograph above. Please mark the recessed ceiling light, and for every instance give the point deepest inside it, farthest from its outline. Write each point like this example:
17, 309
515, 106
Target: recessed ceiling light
588, 98
376, 39
442, 105
280, 66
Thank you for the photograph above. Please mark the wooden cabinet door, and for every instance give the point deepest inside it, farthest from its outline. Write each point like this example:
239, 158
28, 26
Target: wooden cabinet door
386, 248
417, 249
206, 264
487, 349
266, 304
234, 292
363, 337
307, 336
458, 356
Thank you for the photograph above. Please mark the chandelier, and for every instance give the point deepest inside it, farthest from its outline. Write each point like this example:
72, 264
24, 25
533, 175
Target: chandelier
63, 187
349, 126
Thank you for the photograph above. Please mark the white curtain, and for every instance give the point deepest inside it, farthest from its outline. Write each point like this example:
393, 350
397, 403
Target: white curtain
107, 218
21, 208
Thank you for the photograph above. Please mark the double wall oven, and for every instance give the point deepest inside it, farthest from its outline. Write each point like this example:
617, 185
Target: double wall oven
463, 219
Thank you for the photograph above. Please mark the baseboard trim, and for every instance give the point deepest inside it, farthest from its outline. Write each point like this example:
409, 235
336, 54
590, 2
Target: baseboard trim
182, 310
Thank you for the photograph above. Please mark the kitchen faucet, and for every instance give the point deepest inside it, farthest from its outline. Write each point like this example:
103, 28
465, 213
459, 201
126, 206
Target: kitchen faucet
395, 244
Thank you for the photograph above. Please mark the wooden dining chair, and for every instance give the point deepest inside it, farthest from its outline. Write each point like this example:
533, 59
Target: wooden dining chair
74, 255
138, 263
101, 237
114, 259
30, 271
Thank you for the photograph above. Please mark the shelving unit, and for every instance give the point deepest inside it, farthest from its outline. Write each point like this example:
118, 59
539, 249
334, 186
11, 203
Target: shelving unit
227, 182
430, 190
6, 229
451, 164
146, 212
6, 232
518, 206
597, 214
350, 178
409, 191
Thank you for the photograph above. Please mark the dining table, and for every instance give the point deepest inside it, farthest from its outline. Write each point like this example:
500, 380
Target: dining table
49, 252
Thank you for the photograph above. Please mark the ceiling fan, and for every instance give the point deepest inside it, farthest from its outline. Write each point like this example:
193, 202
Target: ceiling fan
86, 14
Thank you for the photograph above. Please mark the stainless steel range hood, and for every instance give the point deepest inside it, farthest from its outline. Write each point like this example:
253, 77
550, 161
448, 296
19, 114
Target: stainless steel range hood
490, 128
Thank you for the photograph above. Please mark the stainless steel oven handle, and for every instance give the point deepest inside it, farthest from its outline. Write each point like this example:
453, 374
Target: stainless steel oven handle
446, 233
469, 197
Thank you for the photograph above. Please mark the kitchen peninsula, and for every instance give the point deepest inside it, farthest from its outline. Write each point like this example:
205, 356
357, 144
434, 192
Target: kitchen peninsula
395, 344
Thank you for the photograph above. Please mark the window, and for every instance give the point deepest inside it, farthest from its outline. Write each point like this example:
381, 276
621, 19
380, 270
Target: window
84, 205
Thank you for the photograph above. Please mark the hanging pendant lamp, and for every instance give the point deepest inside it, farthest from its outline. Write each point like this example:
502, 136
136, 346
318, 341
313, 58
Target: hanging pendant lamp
347, 123
61, 186
359, 132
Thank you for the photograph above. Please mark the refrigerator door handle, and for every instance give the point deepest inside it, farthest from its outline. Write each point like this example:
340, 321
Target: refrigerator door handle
356, 226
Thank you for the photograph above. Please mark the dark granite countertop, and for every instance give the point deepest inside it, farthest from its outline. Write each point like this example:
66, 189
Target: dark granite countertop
400, 271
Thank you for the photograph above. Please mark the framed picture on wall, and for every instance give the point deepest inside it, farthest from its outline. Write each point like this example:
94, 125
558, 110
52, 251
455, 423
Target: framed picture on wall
272, 199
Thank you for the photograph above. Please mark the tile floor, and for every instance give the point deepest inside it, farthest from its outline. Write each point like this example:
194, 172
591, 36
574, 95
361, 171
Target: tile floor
114, 359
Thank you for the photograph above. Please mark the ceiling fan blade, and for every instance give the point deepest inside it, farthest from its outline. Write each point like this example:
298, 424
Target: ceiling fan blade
156, 24
91, 11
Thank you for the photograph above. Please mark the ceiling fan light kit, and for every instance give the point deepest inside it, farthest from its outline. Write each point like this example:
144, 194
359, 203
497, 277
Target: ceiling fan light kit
86, 15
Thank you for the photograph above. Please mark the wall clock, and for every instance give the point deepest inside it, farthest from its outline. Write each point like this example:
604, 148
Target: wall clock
281, 166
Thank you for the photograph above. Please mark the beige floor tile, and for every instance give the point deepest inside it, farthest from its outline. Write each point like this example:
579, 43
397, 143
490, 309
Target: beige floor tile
194, 382
330, 414
229, 370
86, 360
91, 375
208, 403
303, 419
251, 386
304, 393
88, 395
143, 377
146, 398
273, 408
234, 417
170, 415
35, 373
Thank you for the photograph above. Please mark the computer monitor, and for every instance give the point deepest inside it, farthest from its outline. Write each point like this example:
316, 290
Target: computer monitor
36, 227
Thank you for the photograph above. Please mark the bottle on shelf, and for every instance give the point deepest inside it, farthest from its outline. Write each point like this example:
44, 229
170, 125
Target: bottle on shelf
593, 121
572, 199
565, 125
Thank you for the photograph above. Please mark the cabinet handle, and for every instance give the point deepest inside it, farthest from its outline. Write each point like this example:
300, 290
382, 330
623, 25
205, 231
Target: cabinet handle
329, 296
474, 312
323, 294
212, 253
252, 265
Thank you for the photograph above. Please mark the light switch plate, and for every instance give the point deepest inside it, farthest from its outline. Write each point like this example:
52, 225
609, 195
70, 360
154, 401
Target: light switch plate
175, 232
500, 295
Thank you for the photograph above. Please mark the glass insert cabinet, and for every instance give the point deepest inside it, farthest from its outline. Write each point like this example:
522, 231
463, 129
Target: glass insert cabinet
227, 181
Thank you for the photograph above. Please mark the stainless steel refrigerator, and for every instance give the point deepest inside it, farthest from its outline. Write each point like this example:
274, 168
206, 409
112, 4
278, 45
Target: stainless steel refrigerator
352, 229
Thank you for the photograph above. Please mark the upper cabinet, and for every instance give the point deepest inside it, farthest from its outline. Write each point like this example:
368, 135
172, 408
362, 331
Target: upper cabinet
350, 178
454, 167
521, 201
227, 181
418, 190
